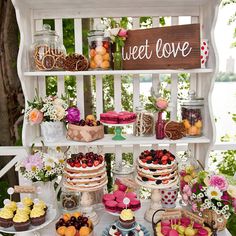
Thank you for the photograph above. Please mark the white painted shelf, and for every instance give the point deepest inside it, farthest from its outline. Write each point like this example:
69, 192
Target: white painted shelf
130, 140
114, 72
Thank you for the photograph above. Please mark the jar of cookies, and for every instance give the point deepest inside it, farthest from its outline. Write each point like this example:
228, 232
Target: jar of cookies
144, 124
48, 52
99, 50
192, 111
70, 200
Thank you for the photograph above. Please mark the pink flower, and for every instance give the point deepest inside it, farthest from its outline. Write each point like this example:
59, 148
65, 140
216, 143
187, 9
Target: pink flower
35, 117
185, 197
33, 161
122, 33
187, 190
161, 103
218, 181
194, 207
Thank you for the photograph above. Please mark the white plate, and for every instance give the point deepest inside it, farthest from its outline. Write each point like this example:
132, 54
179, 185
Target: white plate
117, 213
50, 216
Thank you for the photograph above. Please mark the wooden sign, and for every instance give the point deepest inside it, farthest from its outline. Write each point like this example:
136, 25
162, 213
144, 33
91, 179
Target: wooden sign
172, 47
24, 189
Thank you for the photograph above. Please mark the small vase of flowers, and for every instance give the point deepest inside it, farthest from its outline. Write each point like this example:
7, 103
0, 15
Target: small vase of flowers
49, 112
213, 197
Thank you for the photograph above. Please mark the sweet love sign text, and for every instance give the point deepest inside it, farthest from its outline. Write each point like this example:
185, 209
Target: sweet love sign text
172, 47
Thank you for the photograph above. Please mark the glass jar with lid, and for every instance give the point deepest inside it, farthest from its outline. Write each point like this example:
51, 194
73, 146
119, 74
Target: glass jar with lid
70, 200
144, 124
99, 50
192, 112
47, 51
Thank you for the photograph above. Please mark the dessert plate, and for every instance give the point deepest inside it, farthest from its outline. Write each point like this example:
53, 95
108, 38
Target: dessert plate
145, 231
50, 216
118, 213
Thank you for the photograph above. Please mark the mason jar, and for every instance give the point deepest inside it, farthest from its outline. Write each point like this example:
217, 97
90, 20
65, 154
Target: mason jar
99, 50
47, 51
192, 111
144, 124
70, 200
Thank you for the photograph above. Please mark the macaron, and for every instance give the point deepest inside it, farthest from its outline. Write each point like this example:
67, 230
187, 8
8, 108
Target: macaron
165, 223
131, 195
119, 193
108, 197
121, 206
111, 206
135, 204
185, 221
120, 199
202, 232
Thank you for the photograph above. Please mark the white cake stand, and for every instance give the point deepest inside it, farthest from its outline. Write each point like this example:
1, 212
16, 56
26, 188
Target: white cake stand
118, 130
155, 197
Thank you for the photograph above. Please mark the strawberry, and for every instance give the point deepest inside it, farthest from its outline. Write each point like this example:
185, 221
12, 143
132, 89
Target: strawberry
148, 158
165, 181
77, 164
171, 158
144, 160
164, 158
145, 168
164, 162
96, 163
84, 165
90, 164
155, 162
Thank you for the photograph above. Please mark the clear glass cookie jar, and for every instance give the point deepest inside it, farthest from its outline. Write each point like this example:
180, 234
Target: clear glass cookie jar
47, 51
99, 50
192, 113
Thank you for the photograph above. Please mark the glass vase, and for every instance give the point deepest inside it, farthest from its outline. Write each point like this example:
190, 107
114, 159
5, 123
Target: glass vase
160, 134
117, 58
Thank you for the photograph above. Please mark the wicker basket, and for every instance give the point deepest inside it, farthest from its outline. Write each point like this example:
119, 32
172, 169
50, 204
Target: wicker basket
211, 216
85, 133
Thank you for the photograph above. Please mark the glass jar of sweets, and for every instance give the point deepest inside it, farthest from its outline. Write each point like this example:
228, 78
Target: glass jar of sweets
192, 115
47, 51
99, 50
144, 124
70, 200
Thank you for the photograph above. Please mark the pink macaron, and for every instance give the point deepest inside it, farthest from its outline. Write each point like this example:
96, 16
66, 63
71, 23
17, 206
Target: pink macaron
108, 197
131, 195
120, 199
135, 204
119, 193
165, 223
202, 232
111, 206
121, 206
185, 221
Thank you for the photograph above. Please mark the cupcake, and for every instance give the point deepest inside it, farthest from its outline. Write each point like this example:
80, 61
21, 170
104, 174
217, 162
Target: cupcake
37, 216
21, 221
27, 201
40, 204
11, 205
6, 216
22, 208
126, 218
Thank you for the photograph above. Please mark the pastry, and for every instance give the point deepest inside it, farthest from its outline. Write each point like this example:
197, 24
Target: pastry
134, 204
112, 117
108, 197
111, 206
127, 218
37, 216
157, 167
21, 221
6, 216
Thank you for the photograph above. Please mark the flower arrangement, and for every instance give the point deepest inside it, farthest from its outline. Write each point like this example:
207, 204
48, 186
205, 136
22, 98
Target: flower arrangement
42, 166
73, 115
50, 108
159, 104
212, 192
117, 35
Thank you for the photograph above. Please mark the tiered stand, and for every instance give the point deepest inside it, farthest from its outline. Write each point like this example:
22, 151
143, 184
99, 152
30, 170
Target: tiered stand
30, 16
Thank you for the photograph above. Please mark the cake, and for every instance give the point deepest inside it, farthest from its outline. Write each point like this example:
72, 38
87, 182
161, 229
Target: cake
37, 216
21, 221
112, 117
6, 216
157, 168
127, 218
85, 172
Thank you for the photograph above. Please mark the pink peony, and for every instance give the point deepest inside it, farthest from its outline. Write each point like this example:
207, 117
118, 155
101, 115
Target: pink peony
73, 115
122, 33
185, 197
161, 103
187, 190
35, 117
218, 181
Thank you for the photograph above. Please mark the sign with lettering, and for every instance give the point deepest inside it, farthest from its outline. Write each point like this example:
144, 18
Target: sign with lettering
172, 47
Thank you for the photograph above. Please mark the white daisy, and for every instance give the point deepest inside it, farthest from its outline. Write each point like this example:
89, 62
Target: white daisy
214, 193
226, 207
219, 204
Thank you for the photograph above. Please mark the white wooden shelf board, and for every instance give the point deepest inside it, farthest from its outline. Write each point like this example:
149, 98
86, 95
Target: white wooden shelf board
130, 140
115, 72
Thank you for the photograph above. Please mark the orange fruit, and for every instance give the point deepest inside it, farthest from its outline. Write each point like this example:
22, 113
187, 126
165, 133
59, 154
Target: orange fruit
70, 231
198, 124
90, 117
93, 64
61, 230
199, 131
84, 231
186, 124
106, 57
66, 216
193, 130
101, 50
76, 214
105, 64
92, 53
98, 60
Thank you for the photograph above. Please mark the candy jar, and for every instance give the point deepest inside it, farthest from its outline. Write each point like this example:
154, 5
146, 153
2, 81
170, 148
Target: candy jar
188, 169
99, 50
144, 124
192, 115
47, 51
70, 200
